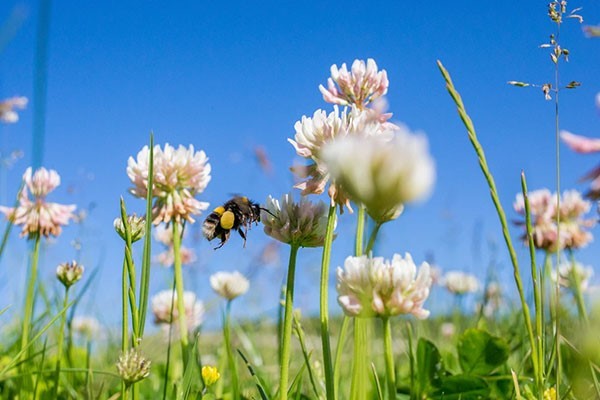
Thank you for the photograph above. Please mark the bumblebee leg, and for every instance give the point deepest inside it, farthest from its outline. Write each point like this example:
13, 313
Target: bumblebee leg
243, 235
224, 237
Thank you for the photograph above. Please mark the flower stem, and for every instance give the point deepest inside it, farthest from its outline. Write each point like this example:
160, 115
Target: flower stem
30, 297
287, 324
373, 236
324, 305
183, 331
389, 358
125, 320
338, 353
360, 231
230, 358
61, 335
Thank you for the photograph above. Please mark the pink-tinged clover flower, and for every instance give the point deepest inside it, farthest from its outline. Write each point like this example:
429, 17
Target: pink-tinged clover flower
179, 175
374, 287
167, 257
573, 228
359, 86
38, 216
586, 145
8, 114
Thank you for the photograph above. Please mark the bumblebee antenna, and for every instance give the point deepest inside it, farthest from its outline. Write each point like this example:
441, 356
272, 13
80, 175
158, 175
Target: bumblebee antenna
268, 212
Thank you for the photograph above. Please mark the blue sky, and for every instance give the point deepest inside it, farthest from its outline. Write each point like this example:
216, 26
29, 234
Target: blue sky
227, 77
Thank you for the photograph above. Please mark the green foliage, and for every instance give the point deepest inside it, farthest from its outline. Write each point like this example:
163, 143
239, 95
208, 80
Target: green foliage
480, 353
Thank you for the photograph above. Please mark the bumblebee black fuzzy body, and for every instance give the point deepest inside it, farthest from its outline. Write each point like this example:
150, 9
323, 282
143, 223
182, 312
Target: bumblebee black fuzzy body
237, 214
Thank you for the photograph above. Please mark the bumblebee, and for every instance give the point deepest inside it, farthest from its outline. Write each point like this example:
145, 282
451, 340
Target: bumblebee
237, 214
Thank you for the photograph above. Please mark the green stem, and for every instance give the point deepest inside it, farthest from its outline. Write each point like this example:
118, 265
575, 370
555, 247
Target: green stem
373, 236
389, 358
183, 330
59, 351
124, 319
577, 293
360, 231
287, 324
30, 297
339, 352
324, 305
230, 357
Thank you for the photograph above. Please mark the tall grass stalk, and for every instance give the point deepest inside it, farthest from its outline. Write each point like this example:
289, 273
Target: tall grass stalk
182, 318
468, 123
59, 350
287, 324
331, 392
235, 386
30, 296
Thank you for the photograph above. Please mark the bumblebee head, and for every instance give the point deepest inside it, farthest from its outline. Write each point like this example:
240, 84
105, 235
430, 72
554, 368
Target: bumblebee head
227, 219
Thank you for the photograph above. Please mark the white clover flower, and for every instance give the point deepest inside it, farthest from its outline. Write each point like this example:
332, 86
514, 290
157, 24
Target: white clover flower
447, 329
167, 258
312, 134
133, 366
370, 287
8, 114
458, 282
382, 175
300, 224
570, 273
85, 326
179, 175
69, 273
137, 226
39, 216
359, 86
229, 285
162, 305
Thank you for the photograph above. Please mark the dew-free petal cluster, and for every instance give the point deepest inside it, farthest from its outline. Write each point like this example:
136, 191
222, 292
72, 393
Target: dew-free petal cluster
458, 282
8, 106
573, 228
358, 86
179, 175
166, 300
133, 366
70, 272
167, 258
36, 215
370, 287
300, 223
382, 175
229, 285
85, 326
137, 227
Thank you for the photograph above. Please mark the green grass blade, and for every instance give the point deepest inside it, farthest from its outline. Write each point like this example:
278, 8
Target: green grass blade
306, 354
259, 382
377, 383
146, 260
4, 309
33, 340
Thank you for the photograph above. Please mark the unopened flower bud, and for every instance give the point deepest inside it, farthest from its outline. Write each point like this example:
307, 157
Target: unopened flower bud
68, 273
137, 227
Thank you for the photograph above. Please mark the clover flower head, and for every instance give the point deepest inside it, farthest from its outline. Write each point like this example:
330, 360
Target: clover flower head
300, 223
133, 366
85, 326
166, 301
229, 285
358, 86
369, 287
571, 274
68, 273
545, 210
8, 106
459, 283
382, 175
179, 175
38, 216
